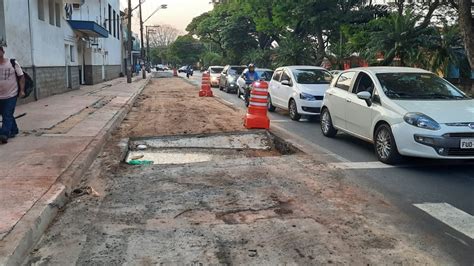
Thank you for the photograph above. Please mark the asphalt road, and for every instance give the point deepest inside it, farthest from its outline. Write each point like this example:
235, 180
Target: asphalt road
445, 189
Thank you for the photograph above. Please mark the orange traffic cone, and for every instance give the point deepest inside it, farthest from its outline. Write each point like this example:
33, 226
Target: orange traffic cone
206, 86
257, 111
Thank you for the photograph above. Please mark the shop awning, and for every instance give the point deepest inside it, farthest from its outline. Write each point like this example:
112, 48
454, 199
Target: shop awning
89, 28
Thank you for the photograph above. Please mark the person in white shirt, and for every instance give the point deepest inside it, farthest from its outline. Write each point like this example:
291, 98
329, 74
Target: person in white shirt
12, 86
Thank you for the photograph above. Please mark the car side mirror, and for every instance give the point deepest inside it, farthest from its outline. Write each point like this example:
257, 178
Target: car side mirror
366, 96
286, 82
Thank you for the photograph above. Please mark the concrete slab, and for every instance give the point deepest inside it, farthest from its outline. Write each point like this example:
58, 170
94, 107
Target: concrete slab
240, 140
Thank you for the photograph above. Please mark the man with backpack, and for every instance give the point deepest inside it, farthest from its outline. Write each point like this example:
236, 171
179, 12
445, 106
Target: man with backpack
12, 86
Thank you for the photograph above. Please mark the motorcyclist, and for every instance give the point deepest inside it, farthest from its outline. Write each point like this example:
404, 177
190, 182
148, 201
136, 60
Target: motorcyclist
189, 71
250, 77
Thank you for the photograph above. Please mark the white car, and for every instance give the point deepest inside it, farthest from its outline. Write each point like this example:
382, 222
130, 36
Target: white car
215, 72
402, 111
298, 89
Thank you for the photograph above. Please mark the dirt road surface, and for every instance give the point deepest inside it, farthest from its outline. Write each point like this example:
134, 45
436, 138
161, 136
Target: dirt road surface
245, 209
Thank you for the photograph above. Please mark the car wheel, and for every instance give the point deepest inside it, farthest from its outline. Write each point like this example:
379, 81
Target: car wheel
294, 111
385, 146
270, 106
326, 124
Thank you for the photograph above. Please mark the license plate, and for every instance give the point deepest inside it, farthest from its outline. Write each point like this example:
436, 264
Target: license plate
467, 143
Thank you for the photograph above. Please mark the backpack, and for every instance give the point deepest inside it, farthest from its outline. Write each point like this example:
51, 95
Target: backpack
29, 84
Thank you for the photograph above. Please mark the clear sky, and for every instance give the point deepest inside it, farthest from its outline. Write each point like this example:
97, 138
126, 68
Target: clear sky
178, 14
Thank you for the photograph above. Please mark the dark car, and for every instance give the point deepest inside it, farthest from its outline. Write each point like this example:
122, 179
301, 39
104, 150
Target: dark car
229, 76
243, 86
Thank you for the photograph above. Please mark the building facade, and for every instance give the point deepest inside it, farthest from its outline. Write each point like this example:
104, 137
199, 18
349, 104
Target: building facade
97, 26
63, 43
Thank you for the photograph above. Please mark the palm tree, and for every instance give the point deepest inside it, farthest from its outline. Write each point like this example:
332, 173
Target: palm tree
446, 49
398, 37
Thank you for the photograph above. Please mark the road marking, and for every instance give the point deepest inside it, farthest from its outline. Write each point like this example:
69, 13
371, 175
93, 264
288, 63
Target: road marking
280, 121
451, 216
361, 165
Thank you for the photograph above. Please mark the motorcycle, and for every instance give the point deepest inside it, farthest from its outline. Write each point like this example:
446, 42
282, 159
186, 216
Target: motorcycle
189, 72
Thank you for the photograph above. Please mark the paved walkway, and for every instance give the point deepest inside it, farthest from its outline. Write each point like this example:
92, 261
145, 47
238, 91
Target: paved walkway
59, 136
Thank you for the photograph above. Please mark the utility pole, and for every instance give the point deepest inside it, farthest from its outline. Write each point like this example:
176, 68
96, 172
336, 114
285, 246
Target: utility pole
141, 37
129, 43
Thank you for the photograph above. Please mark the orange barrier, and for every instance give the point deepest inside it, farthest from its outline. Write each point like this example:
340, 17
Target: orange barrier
206, 90
175, 72
256, 116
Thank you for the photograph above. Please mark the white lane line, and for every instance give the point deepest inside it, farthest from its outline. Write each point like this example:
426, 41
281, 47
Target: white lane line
360, 165
451, 216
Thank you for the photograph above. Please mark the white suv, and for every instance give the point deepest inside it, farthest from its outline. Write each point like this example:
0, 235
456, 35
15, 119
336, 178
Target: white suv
298, 89
403, 111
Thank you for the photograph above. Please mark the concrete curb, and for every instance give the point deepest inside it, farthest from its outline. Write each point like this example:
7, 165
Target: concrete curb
29, 230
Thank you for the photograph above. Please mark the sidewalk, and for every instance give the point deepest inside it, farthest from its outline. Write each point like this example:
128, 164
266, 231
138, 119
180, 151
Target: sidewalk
60, 137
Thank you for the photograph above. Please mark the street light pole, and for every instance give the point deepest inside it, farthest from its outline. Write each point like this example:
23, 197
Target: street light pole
142, 40
148, 41
129, 43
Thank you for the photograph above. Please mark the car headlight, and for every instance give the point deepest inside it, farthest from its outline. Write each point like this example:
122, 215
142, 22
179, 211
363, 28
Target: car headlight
422, 121
307, 97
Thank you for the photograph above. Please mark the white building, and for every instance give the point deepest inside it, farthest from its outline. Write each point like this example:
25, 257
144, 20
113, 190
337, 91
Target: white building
97, 26
62, 46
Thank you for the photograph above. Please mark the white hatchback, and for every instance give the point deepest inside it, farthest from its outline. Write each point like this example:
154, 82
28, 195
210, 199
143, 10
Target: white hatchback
402, 111
298, 89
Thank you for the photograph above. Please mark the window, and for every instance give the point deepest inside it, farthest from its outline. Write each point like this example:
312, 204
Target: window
364, 83
312, 76
118, 27
113, 22
3, 37
345, 80
277, 75
57, 8
41, 10
71, 53
285, 76
418, 86
51, 11
110, 19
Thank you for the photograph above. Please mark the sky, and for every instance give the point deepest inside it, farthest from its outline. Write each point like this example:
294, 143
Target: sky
178, 14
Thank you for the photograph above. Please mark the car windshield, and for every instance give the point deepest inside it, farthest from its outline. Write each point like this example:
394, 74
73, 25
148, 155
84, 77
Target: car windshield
418, 86
236, 70
265, 74
216, 70
312, 76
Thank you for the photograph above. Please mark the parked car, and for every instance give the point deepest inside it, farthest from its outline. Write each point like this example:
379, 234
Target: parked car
243, 90
229, 76
215, 72
298, 89
334, 73
402, 111
182, 69
160, 67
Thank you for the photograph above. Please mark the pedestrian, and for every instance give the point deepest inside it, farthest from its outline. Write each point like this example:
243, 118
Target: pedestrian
326, 63
12, 86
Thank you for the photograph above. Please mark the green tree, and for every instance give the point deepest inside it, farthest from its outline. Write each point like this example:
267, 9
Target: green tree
186, 50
